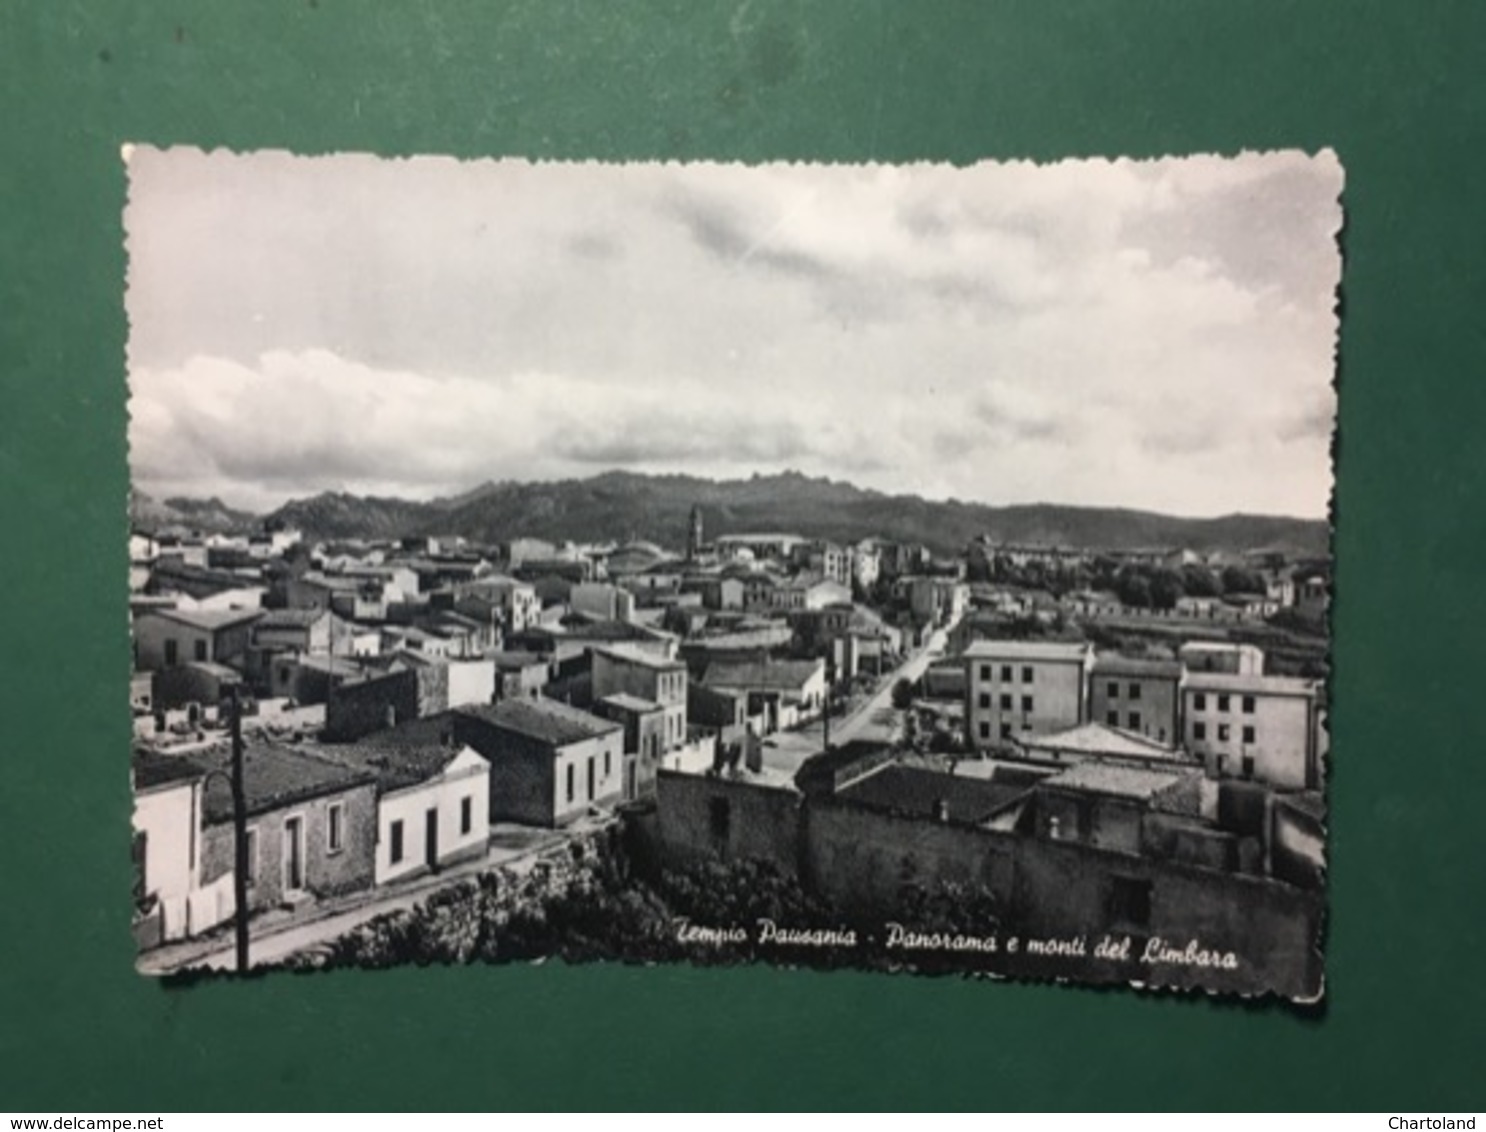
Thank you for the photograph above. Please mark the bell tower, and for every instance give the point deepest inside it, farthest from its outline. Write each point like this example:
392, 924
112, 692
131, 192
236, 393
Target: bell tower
694, 534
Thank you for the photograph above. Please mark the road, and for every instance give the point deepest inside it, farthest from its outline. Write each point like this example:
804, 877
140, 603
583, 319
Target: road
275, 936
876, 720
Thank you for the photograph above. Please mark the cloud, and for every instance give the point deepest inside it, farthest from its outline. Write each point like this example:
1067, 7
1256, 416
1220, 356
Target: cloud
1155, 334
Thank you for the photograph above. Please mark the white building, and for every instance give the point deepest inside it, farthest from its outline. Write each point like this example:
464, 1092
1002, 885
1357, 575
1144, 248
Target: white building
1265, 728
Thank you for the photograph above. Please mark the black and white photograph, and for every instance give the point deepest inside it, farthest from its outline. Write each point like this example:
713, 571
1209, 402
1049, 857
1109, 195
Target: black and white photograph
918, 569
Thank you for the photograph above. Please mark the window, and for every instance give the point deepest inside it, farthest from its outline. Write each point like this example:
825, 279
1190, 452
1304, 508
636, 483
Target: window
1248, 766
252, 870
1112, 718
1006, 673
1199, 702
572, 778
1135, 721
985, 699
1248, 705
1026, 725
394, 836
1114, 690
335, 827
1199, 732
1248, 734
1135, 691
170, 650
607, 770
1006, 731
200, 650
985, 671
1006, 702
719, 817
283, 675
1223, 731
466, 814
985, 730
1130, 901
1026, 674
1026, 703
1220, 764
1223, 703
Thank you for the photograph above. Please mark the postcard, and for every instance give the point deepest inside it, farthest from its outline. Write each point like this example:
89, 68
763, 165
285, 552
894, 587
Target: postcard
907, 568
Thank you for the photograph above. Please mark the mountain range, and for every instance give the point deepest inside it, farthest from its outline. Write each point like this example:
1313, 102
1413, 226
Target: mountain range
626, 505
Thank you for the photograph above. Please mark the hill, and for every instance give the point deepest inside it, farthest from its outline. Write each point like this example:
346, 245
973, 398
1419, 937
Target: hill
624, 505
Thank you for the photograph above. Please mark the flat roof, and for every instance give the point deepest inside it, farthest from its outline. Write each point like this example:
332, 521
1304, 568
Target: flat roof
1059, 651
1251, 685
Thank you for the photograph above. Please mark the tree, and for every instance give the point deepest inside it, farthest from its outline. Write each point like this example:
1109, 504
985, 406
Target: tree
1134, 589
902, 694
1166, 588
1198, 581
1237, 580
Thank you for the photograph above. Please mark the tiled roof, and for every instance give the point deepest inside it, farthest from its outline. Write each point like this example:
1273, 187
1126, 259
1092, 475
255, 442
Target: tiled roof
544, 720
1121, 781
626, 702
777, 675
640, 657
918, 791
1098, 739
291, 618
511, 661
275, 775
152, 770
400, 756
1027, 650
209, 620
609, 631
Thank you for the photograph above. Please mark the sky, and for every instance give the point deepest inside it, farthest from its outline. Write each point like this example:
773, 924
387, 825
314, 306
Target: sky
1157, 335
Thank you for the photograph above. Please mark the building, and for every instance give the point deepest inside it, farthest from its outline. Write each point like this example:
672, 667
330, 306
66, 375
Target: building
807, 592
516, 600
935, 600
166, 851
773, 547
1023, 687
1264, 728
520, 674
312, 824
549, 762
433, 796
602, 601
1104, 806
1221, 656
1096, 742
1137, 695
645, 676
164, 638
644, 723
781, 693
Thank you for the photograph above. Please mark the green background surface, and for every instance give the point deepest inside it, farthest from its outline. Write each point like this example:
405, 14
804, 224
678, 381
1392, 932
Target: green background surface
1396, 88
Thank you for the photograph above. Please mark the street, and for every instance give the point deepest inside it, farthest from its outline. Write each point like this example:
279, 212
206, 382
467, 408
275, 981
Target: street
876, 720
277, 934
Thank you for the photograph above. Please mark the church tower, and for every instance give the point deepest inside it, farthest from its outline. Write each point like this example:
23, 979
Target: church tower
694, 534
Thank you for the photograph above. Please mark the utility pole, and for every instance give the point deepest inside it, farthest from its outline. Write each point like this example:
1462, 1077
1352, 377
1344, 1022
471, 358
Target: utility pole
830, 689
239, 835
